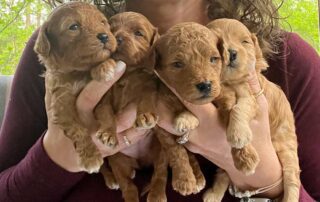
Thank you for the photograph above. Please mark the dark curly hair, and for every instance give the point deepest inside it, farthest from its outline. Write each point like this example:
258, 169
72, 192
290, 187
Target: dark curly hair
260, 16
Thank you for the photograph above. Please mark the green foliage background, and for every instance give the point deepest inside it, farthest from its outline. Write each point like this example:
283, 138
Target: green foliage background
19, 19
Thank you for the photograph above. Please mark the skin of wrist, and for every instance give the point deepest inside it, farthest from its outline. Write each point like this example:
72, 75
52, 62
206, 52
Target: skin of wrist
60, 150
268, 172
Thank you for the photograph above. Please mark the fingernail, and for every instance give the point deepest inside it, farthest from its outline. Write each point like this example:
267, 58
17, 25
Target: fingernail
120, 67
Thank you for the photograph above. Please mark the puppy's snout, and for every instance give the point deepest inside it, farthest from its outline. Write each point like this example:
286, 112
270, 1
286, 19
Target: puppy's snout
204, 87
232, 54
119, 40
103, 37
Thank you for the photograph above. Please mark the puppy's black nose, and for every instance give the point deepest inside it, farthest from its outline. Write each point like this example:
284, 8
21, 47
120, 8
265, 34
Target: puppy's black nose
103, 37
233, 55
119, 40
204, 87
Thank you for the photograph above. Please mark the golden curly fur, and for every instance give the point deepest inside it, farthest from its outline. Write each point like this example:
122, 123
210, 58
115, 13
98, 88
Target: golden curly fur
238, 106
75, 45
186, 57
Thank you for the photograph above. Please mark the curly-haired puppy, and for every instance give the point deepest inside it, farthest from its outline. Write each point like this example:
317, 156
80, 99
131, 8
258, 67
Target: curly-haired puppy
238, 106
135, 35
186, 57
75, 45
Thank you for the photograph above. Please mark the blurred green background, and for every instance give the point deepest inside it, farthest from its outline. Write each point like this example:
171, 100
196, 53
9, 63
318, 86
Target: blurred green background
19, 18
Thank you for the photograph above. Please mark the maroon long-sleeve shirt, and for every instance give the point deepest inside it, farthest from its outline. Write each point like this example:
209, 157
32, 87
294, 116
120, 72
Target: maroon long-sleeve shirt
28, 174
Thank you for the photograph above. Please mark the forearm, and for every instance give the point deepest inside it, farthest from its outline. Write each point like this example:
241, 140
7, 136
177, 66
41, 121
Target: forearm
36, 178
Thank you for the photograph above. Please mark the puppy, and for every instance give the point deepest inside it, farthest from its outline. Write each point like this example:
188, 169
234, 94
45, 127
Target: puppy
186, 57
238, 106
75, 45
135, 35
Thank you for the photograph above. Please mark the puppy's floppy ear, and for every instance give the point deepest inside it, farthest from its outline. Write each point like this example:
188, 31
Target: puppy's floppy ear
42, 45
155, 36
220, 44
261, 63
153, 59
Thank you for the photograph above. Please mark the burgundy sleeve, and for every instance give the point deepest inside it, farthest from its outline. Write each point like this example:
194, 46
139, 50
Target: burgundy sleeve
297, 71
26, 171
304, 96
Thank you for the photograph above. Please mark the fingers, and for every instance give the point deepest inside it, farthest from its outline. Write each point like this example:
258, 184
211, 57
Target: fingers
254, 84
94, 91
166, 119
133, 136
126, 118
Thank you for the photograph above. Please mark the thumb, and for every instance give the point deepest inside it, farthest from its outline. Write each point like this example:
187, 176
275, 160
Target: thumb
94, 91
258, 92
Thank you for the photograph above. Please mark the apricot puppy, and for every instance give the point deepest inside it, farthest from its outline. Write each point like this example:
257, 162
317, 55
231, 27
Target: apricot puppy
186, 57
135, 35
238, 106
75, 45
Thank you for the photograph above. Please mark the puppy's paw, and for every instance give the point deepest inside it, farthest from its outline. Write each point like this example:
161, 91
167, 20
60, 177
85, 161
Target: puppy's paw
185, 122
246, 159
185, 185
239, 135
146, 121
156, 197
112, 183
201, 183
133, 174
104, 72
91, 164
210, 196
108, 138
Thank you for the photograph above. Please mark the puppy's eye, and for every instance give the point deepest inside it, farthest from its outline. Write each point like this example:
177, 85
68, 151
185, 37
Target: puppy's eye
138, 33
178, 64
245, 42
74, 27
214, 59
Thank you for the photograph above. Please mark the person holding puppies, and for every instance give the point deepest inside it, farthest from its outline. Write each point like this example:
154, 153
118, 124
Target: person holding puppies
39, 163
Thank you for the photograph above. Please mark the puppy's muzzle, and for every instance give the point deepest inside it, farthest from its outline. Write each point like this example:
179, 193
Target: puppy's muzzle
103, 37
204, 87
119, 40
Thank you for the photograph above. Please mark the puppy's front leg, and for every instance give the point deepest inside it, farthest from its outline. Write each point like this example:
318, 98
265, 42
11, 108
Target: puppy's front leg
63, 112
104, 71
104, 114
183, 179
239, 133
185, 122
146, 115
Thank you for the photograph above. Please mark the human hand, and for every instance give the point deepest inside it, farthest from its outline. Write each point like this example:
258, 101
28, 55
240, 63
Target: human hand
61, 149
209, 140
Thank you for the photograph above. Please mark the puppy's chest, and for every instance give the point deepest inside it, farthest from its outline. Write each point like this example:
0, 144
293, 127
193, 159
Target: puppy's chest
132, 87
72, 83
229, 97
